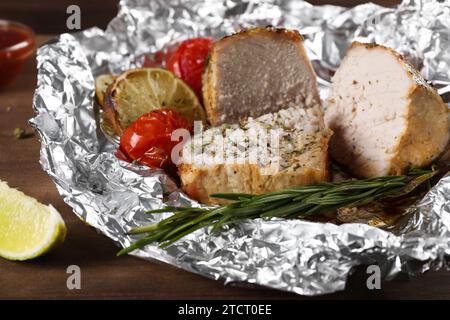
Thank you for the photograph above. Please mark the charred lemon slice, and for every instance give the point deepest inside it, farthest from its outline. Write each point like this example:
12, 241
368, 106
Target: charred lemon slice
102, 83
139, 91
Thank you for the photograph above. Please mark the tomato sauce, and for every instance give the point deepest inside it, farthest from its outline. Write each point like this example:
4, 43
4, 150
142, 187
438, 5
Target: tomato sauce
16, 45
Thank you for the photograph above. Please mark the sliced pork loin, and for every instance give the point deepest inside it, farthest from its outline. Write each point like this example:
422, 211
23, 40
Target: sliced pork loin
385, 117
248, 165
257, 71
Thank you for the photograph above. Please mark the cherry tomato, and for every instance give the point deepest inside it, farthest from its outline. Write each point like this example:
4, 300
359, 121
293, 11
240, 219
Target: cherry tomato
157, 59
188, 61
148, 139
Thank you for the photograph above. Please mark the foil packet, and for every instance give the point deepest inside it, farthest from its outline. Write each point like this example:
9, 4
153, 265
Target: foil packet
308, 258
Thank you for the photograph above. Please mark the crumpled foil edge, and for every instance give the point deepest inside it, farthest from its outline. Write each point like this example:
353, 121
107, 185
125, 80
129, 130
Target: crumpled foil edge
307, 258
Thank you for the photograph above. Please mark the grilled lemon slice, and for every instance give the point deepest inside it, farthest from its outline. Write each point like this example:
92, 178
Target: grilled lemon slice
139, 91
102, 83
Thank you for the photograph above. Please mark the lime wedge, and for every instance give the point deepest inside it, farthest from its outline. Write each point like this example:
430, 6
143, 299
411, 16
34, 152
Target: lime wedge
28, 228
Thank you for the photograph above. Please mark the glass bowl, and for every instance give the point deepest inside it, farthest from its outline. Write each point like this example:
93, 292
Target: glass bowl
17, 44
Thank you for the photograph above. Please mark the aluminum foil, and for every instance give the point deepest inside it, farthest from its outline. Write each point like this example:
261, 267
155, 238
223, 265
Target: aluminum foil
304, 257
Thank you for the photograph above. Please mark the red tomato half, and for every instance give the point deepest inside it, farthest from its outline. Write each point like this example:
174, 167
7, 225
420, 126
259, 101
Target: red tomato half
188, 61
157, 59
148, 139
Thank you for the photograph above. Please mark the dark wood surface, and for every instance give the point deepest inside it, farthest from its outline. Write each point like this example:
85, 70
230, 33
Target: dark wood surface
103, 274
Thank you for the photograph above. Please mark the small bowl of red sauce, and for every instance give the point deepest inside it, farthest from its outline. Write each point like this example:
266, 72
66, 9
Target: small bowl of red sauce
17, 44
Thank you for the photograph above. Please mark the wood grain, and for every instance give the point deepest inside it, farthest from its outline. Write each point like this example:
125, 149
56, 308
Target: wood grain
103, 274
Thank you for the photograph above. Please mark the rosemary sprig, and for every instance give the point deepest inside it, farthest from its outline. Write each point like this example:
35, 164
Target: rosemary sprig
299, 202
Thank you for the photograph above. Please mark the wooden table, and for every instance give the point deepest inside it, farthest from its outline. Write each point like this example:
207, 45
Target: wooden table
103, 274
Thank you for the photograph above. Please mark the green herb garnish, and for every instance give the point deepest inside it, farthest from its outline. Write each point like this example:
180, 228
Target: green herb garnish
19, 133
292, 203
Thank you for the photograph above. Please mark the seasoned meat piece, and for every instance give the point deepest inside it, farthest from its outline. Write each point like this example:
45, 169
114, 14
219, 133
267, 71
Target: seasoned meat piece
298, 155
385, 117
255, 72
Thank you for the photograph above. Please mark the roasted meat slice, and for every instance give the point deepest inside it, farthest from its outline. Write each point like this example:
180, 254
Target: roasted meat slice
297, 156
385, 117
257, 71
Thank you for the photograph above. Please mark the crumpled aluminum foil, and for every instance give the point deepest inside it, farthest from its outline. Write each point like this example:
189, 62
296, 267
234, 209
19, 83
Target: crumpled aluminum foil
298, 256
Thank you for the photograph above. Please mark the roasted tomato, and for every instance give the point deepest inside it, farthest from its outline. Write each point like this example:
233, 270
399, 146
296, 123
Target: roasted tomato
148, 139
158, 59
188, 61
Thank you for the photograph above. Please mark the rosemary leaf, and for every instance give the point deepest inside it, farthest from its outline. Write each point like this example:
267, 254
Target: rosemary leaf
297, 202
